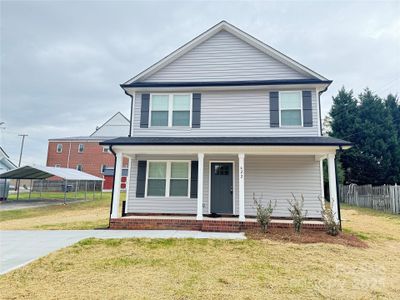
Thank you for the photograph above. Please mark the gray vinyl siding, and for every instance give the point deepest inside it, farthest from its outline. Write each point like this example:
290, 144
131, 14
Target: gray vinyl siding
224, 57
231, 113
177, 205
275, 177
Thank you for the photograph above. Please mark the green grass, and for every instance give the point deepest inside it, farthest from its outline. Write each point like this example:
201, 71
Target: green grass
53, 209
90, 214
53, 195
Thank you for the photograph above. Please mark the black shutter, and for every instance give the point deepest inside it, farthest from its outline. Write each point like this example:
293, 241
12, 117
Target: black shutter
193, 179
144, 111
274, 109
196, 110
141, 178
307, 109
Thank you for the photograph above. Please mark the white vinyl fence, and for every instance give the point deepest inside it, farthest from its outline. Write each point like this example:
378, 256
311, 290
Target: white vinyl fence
384, 197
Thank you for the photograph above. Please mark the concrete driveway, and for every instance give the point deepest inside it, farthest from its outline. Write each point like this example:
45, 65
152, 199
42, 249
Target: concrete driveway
20, 247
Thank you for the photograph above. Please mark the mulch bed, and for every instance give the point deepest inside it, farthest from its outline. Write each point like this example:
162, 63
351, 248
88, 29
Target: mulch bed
307, 236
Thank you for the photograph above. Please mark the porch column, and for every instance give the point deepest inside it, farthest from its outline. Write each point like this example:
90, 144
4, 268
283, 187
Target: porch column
332, 186
241, 187
200, 188
117, 185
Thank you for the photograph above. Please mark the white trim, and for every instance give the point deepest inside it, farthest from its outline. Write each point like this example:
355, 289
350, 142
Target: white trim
233, 183
117, 185
167, 177
234, 150
301, 110
171, 109
332, 186
127, 183
236, 32
200, 185
321, 169
241, 178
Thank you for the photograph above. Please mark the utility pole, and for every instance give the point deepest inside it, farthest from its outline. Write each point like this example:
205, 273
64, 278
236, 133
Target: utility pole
20, 158
22, 147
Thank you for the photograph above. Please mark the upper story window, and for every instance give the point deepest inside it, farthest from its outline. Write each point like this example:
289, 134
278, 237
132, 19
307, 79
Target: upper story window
170, 110
59, 148
81, 148
106, 150
79, 167
290, 107
57, 166
168, 179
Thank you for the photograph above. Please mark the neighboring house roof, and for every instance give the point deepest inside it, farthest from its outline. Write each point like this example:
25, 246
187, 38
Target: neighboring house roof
309, 74
231, 141
117, 125
83, 138
5, 162
42, 172
114, 126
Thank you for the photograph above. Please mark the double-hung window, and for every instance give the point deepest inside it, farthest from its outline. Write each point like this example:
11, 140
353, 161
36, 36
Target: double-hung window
168, 179
290, 106
181, 110
170, 110
159, 110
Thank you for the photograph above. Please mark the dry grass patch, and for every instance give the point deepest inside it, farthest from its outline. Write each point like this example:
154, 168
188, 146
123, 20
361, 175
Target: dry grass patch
307, 236
195, 269
90, 214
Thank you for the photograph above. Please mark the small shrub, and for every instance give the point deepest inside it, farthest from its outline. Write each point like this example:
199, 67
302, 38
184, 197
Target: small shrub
296, 211
332, 228
263, 213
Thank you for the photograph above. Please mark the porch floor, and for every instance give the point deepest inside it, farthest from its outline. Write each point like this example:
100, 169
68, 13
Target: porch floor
221, 224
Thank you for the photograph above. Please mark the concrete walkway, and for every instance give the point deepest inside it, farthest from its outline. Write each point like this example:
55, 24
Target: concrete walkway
20, 247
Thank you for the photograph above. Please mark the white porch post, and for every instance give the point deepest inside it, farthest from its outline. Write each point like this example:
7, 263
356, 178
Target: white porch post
321, 169
117, 186
332, 186
241, 187
200, 176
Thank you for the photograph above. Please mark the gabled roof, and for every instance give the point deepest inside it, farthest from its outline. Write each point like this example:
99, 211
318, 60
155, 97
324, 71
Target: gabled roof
117, 121
239, 34
5, 159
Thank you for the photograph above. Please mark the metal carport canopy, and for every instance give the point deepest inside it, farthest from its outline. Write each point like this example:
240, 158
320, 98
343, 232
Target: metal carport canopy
42, 172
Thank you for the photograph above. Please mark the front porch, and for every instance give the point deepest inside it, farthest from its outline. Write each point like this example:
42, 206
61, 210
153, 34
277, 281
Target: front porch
223, 224
220, 179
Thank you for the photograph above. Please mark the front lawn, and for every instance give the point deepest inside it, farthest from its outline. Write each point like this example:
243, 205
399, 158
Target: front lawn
90, 214
194, 269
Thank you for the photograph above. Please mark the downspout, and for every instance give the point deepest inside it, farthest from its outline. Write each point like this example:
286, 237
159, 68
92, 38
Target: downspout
112, 190
319, 108
131, 117
337, 189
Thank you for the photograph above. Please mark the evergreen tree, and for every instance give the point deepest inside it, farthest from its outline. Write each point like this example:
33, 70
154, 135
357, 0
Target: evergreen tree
373, 126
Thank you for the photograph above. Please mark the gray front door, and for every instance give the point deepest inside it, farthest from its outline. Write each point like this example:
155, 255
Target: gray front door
222, 188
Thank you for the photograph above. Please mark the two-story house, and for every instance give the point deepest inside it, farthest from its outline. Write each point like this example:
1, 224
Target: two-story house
223, 117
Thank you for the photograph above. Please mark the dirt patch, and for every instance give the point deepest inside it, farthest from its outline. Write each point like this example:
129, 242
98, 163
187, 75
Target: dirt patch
307, 236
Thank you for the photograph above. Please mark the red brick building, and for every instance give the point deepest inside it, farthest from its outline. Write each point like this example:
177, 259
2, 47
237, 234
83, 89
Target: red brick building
84, 152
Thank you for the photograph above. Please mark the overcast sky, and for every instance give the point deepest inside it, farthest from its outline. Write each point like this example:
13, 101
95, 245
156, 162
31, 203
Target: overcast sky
62, 62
